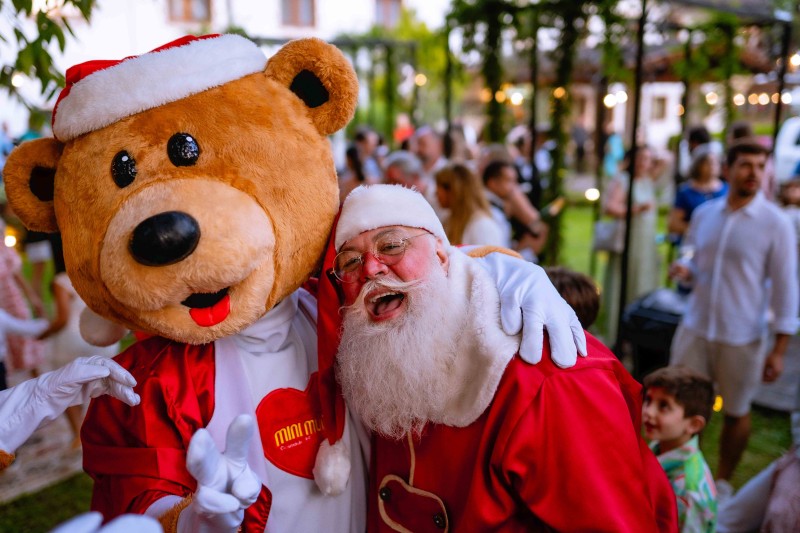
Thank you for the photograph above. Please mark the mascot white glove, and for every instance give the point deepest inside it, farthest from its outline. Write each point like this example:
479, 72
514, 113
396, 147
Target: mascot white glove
529, 302
226, 485
25, 407
92, 522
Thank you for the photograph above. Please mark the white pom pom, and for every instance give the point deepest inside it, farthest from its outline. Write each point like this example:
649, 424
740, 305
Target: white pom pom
98, 331
332, 468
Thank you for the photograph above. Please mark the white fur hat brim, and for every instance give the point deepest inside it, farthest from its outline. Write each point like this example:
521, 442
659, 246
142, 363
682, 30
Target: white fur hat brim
376, 206
153, 79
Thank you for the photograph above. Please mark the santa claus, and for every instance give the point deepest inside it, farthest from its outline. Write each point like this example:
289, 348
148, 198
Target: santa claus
466, 436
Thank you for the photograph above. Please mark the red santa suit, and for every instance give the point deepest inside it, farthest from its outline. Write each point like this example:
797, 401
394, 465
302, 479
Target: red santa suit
522, 447
137, 456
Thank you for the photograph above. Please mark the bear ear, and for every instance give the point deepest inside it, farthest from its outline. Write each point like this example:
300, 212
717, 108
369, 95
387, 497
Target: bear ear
320, 75
29, 176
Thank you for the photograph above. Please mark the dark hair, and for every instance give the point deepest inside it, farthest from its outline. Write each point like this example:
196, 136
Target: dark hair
580, 292
355, 162
494, 169
739, 129
361, 133
745, 145
698, 135
692, 391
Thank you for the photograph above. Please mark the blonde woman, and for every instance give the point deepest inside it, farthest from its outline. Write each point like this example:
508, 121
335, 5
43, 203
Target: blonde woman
470, 219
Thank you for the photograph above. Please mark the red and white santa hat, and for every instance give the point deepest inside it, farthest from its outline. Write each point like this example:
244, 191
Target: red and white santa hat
101, 92
376, 206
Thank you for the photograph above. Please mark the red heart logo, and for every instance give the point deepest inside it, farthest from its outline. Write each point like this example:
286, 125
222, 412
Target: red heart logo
290, 424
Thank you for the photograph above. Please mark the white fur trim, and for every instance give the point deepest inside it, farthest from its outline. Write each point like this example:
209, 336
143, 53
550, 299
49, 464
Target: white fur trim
376, 206
98, 331
154, 79
484, 349
332, 467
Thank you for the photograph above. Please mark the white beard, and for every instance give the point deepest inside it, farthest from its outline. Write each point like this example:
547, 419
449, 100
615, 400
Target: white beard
396, 375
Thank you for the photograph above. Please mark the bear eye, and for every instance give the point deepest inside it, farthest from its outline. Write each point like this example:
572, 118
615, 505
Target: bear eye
123, 169
183, 150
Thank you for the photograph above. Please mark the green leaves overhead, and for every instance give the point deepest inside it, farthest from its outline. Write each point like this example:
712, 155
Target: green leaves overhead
35, 29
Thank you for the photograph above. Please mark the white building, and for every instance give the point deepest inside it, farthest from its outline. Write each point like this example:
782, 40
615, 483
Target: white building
120, 28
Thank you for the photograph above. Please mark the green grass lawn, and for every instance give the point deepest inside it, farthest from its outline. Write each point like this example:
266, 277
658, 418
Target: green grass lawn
770, 437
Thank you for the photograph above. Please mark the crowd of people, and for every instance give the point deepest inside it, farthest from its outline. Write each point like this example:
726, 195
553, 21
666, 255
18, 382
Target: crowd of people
739, 236
483, 195
737, 265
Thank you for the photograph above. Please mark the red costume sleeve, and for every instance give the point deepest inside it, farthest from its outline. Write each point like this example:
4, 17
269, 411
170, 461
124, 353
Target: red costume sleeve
136, 455
575, 455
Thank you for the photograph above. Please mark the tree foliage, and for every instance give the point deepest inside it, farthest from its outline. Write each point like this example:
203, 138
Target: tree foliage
32, 28
414, 45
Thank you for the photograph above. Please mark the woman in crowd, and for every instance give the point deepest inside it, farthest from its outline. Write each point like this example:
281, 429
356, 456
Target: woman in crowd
704, 184
643, 254
470, 220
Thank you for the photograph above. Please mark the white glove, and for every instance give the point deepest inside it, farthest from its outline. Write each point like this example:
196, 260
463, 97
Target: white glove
226, 485
91, 522
25, 407
529, 302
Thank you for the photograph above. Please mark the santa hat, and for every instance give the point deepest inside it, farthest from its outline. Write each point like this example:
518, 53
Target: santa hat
99, 93
366, 208
376, 206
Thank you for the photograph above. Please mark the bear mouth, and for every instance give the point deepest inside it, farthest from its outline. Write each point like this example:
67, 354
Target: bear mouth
209, 309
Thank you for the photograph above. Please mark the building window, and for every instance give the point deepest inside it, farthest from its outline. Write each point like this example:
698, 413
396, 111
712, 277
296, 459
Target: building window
190, 10
659, 111
298, 12
387, 12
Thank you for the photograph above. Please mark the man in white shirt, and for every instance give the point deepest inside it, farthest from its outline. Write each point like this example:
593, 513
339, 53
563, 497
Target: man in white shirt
744, 262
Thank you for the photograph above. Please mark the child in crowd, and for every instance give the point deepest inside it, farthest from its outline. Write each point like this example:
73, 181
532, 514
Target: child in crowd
579, 291
677, 405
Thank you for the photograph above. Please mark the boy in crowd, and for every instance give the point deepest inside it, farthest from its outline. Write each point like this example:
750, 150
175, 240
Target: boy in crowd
677, 405
578, 290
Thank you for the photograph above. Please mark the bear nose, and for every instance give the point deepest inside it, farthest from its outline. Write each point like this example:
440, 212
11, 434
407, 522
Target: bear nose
164, 239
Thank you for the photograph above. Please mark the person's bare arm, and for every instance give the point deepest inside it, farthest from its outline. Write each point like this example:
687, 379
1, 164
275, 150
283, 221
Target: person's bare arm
676, 223
518, 206
61, 299
615, 204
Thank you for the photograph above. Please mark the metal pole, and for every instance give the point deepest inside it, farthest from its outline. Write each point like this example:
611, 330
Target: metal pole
534, 65
601, 137
448, 76
687, 53
637, 99
785, 42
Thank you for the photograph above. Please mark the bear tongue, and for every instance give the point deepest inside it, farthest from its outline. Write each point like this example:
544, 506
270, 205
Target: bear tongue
211, 316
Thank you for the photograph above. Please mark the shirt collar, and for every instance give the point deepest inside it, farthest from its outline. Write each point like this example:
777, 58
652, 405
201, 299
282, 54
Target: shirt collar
752, 207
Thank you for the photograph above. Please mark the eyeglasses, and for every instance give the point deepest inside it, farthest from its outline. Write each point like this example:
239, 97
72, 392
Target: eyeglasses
387, 250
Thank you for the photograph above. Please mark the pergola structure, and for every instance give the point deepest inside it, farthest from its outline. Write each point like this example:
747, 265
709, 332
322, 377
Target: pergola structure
391, 52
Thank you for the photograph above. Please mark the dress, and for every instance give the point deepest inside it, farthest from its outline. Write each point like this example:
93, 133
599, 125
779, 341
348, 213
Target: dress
23, 353
483, 229
693, 484
520, 447
137, 456
68, 344
642, 254
687, 198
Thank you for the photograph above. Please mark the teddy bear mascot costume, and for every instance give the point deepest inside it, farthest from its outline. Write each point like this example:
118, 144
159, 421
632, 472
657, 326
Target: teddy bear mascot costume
195, 190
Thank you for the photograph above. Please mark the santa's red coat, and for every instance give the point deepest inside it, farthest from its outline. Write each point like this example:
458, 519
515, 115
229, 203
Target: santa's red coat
557, 449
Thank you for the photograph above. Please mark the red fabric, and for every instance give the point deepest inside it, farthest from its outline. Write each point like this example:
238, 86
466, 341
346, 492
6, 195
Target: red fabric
329, 331
137, 455
80, 71
555, 450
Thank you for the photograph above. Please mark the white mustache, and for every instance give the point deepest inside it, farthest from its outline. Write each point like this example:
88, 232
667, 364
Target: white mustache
392, 285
